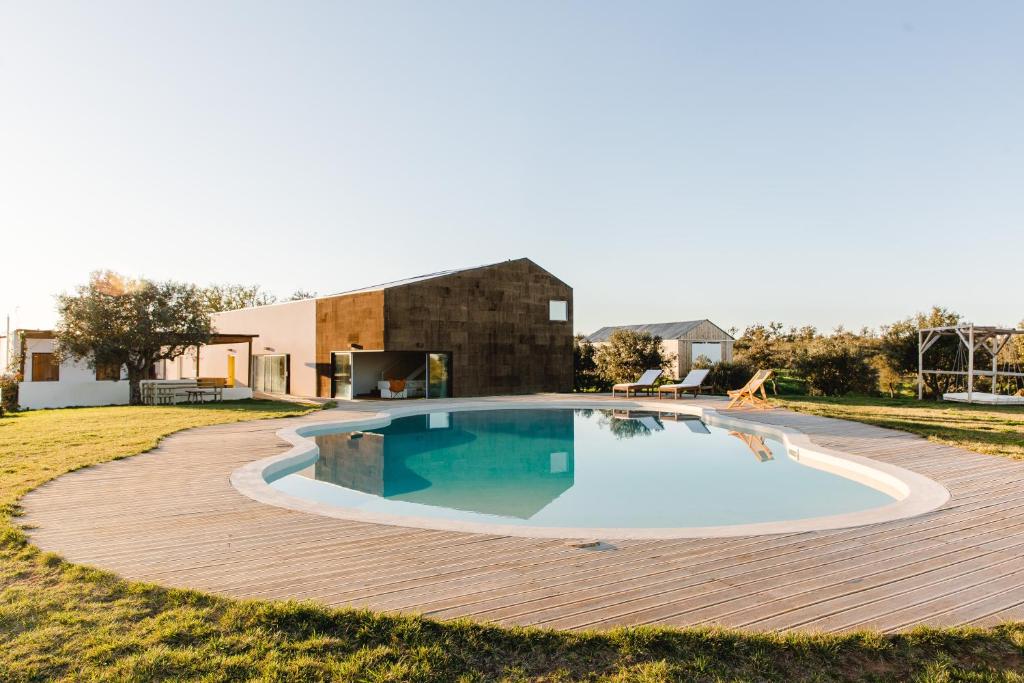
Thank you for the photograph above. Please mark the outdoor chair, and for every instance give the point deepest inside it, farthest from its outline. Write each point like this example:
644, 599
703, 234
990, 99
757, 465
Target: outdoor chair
691, 383
748, 394
396, 387
646, 381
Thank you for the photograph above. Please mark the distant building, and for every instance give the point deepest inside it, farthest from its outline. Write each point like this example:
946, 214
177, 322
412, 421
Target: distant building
686, 341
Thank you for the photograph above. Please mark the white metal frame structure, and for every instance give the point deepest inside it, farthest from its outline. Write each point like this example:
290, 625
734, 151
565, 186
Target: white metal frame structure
973, 337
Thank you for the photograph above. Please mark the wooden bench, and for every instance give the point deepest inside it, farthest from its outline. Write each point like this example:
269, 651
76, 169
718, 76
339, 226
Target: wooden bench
165, 392
210, 386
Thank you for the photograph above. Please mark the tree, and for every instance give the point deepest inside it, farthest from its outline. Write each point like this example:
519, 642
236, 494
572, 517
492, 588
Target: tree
219, 298
762, 346
301, 295
627, 354
838, 365
135, 323
898, 348
584, 365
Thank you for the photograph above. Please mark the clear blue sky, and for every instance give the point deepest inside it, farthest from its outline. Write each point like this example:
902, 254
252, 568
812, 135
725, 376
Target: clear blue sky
810, 162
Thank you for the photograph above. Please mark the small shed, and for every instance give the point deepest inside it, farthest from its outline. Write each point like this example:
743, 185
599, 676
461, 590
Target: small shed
686, 341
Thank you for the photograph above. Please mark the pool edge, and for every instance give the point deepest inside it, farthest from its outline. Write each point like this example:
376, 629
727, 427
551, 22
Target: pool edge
920, 493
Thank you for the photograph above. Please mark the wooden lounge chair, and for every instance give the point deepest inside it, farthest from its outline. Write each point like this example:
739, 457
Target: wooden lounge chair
646, 381
748, 394
691, 382
756, 445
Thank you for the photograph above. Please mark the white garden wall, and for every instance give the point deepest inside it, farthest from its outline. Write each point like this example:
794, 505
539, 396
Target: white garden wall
36, 395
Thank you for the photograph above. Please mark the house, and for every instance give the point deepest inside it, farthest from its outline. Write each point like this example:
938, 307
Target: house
503, 328
685, 341
51, 382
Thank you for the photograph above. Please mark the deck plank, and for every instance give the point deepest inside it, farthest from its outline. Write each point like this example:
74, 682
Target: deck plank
171, 516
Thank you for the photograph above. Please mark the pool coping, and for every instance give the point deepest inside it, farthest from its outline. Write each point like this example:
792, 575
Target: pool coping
916, 493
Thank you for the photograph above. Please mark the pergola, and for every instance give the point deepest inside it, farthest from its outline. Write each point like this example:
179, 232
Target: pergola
974, 338
217, 338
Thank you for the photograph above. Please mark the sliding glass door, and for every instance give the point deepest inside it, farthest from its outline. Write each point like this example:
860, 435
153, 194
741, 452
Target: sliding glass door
341, 375
270, 373
439, 375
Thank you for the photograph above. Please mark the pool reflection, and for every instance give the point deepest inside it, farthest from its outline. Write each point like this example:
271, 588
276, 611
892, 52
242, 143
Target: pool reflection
457, 460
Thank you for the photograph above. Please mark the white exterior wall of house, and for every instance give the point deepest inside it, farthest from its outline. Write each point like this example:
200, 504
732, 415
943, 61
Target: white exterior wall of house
285, 328
77, 385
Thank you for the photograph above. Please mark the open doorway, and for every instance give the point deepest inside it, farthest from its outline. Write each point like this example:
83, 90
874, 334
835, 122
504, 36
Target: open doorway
390, 374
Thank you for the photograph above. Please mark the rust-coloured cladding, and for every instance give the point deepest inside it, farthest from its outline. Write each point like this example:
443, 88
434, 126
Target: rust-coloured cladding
342, 321
494, 321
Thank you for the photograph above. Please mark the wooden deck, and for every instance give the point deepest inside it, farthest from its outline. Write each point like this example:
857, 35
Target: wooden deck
170, 516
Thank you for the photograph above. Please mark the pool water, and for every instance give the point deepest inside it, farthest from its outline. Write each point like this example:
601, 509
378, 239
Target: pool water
571, 468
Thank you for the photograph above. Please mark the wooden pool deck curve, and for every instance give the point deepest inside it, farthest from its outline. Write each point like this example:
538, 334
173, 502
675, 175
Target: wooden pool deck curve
171, 516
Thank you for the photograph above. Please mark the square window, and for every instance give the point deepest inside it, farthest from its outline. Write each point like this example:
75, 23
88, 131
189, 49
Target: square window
559, 310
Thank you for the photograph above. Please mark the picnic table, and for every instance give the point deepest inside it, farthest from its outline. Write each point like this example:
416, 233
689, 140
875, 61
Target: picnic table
169, 391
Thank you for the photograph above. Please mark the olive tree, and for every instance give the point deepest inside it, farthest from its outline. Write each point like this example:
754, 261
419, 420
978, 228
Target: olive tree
114, 320
584, 365
837, 365
898, 348
627, 354
219, 298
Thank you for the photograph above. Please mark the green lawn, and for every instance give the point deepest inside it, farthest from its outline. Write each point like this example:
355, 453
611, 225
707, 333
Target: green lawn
65, 622
985, 429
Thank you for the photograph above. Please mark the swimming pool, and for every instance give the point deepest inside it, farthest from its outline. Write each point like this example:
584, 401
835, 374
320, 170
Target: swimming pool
576, 469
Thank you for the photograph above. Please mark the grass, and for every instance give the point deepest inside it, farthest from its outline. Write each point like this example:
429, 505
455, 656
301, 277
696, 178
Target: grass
996, 430
60, 621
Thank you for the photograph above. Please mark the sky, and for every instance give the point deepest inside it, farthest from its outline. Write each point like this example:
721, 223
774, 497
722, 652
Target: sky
824, 163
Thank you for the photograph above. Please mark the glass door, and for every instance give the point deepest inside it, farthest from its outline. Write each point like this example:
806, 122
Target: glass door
439, 375
341, 375
270, 373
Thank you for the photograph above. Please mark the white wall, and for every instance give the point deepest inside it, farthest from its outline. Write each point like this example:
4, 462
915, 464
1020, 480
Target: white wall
78, 386
282, 328
70, 371
36, 395
39, 395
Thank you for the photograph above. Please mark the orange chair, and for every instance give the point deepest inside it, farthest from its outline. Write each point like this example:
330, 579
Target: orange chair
397, 388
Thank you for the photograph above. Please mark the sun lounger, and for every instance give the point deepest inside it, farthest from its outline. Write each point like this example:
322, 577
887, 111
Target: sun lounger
748, 394
646, 381
691, 383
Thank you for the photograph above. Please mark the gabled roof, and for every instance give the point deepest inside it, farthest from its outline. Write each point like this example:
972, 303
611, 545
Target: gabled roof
406, 281
428, 276
398, 283
664, 330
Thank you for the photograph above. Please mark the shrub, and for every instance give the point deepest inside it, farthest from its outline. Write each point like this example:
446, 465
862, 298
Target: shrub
8, 392
628, 354
585, 376
833, 366
702, 362
727, 375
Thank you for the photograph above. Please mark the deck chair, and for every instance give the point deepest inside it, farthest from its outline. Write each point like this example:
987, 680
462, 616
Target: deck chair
756, 445
396, 387
646, 381
691, 382
748, 394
